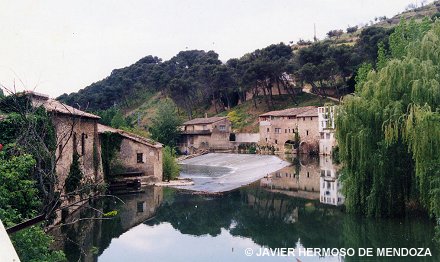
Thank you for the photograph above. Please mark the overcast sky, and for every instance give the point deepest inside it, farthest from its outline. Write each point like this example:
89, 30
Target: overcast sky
60, 47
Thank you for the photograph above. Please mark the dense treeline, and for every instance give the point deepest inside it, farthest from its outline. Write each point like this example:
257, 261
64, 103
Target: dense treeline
389, 130
197, 78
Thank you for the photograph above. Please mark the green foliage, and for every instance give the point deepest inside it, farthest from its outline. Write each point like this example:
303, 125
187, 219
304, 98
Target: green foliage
110, 146
382, 56
406, 33
73, 180
118, 120
362, 74
18, 190
236, 118
32, 244
111, 213
170, 167
389, 132
19, 200
165, 126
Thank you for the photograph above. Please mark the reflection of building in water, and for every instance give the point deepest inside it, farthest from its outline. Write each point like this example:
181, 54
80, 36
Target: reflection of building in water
80, 239
140, 207
330, 191
272, 207
299, 180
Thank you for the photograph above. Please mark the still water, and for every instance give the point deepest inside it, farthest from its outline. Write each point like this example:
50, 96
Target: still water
297, 207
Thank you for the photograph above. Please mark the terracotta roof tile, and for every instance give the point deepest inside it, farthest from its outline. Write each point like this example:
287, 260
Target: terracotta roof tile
136, 138
310, 112
290, 111
52, 105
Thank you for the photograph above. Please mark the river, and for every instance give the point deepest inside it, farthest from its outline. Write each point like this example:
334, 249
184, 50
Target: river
299, 207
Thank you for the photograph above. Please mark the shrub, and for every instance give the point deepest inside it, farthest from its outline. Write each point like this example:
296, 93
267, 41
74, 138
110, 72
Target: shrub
170, 167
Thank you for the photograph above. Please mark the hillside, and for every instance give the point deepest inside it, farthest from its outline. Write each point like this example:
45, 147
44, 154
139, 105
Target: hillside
244, 116
198, 82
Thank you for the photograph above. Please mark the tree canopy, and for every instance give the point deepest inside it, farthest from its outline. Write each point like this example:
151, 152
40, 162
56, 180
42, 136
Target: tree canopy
389, 130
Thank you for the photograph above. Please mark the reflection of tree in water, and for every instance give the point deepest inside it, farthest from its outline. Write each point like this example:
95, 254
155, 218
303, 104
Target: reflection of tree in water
198, 215
410, 232
277, 220
269, 219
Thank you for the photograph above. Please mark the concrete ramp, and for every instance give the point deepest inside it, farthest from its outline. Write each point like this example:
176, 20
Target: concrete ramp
217, 172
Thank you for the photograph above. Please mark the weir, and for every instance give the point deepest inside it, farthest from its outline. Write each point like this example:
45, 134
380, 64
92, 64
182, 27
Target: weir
218, 172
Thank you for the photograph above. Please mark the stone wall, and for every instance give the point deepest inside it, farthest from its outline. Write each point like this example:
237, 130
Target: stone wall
220, 138
247, 137
151, 164
81, 135
277, 131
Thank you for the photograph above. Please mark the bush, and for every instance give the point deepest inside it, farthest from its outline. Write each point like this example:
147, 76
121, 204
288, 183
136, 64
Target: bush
170, 167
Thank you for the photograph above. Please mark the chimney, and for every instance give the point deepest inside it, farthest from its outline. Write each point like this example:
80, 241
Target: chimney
206, 115
37, 96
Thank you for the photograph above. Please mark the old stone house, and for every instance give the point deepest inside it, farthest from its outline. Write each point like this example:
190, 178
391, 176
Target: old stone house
136, 157
278, 128
76, 133
209, 133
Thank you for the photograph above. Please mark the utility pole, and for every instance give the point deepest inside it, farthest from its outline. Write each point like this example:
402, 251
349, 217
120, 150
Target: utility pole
314, 33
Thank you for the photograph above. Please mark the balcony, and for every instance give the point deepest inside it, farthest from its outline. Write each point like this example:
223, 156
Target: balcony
196, 132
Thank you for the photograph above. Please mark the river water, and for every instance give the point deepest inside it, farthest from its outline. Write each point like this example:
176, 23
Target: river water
299, 207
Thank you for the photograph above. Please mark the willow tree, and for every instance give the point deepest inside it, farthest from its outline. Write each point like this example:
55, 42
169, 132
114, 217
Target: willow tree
389, 130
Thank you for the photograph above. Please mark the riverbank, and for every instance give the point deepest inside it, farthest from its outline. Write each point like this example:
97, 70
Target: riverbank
227, 172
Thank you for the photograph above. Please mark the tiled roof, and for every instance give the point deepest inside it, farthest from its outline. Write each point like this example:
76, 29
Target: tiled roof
136, 138
52, 105
207, 120
290, 111
310, 112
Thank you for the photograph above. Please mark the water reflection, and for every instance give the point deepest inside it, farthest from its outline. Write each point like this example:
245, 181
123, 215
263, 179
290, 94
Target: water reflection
309, 178
87, 238
287, 209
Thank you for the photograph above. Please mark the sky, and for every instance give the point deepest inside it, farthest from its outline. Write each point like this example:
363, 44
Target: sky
57, 47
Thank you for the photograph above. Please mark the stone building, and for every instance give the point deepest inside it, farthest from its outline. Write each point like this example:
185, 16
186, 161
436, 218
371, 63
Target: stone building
277, 129
205, 134
327, 141
76, 133
137, 157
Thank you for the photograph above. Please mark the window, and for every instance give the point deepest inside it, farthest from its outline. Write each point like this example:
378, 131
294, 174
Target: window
141, 206
311, 118
277, 130
327, 136
222, 127
276, 141
285, 131
83, 144
268, 130
322, 135
60, 150
140, 157
307, 132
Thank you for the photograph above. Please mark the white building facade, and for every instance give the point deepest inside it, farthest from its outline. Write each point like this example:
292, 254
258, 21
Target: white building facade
327, 141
